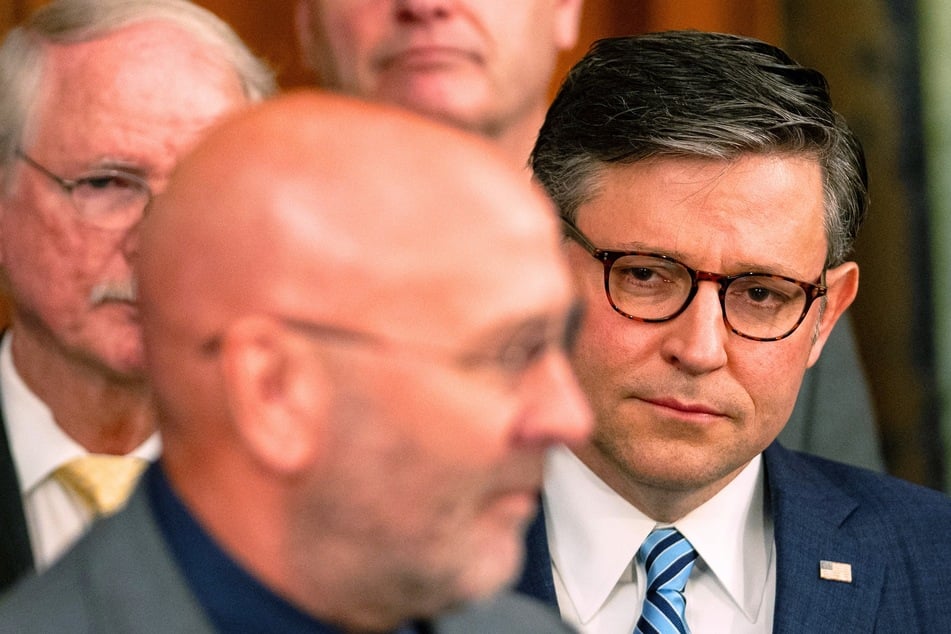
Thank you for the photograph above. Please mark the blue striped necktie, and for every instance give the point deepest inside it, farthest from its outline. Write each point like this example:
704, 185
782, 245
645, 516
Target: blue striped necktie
668, 558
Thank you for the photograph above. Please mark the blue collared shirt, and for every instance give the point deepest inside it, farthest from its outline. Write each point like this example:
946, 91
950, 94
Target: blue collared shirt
233, 599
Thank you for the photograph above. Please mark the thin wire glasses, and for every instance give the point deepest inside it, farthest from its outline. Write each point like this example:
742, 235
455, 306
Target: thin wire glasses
104, 198
508, 358
652, 287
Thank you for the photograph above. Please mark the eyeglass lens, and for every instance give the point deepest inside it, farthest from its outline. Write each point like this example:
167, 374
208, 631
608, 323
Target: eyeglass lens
651, 288
105, 198
110, 199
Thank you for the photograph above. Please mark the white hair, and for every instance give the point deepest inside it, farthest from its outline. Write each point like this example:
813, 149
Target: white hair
22, 54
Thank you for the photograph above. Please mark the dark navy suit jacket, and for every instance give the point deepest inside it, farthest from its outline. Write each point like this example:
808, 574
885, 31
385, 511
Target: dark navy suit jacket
895, 535
16, 555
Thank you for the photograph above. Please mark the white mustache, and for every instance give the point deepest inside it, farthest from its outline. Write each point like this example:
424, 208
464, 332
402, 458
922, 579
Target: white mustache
113, 291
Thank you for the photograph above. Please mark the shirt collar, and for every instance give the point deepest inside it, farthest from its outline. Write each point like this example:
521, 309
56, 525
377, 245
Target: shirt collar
593, 534
231, 597
234, 600
37, 443
733, 534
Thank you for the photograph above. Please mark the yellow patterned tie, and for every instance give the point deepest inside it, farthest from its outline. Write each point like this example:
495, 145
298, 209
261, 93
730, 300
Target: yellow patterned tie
103, 482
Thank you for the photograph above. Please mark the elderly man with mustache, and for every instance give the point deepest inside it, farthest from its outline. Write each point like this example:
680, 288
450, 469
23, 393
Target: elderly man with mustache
99, 99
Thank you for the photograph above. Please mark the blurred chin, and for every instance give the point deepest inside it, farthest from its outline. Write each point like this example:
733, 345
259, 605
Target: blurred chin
122, 354
128, 365
496, 567
450, 100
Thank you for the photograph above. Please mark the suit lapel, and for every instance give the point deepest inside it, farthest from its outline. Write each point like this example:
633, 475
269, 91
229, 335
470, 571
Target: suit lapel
133, 582
810, 514
16, 554
537, 580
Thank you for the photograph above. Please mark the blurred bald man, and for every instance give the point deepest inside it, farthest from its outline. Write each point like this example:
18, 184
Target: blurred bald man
357, 351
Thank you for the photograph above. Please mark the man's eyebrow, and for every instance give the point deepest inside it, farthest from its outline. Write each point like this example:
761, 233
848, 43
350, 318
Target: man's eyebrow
563, 326
745, 266
773, 268
105, 163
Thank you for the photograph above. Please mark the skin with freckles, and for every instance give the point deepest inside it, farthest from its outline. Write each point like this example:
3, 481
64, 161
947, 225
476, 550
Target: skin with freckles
682, 406
371, 366
483, 65
133, 100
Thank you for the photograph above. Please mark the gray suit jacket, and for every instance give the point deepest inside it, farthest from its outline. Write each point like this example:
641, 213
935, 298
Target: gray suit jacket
834, 415
121, 578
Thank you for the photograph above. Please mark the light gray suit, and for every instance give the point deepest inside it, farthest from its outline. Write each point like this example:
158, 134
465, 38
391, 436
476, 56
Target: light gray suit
122, 578
834, 416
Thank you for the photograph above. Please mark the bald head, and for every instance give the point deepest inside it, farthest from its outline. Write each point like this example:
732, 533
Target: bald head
321, 208
318, 203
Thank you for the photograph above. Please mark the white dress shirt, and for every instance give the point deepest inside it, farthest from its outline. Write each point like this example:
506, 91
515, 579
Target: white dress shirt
593, 536
55, 516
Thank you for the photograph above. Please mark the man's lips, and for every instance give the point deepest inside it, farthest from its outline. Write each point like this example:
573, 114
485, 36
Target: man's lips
423, 57
685, 408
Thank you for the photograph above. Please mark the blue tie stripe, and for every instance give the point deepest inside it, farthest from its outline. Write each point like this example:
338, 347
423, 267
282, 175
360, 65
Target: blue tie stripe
672, 569
661, 617
668, 558
644, 627
658, 544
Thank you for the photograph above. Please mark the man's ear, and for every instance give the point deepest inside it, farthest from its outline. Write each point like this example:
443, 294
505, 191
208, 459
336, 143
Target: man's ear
843, 284
277, 393
4, 204
567, 23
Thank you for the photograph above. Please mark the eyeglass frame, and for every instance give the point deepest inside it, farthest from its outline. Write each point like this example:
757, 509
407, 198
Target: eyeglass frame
70, 185
513, 366
609, 257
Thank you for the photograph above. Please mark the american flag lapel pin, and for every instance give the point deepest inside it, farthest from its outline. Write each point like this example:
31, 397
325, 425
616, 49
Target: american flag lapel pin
835, 571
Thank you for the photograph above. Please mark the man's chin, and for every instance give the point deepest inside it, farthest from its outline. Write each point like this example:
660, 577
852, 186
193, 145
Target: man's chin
124, 366
495, 571
440, 98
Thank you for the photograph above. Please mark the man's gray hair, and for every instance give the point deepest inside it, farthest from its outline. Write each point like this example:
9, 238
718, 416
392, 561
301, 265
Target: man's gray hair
22, 55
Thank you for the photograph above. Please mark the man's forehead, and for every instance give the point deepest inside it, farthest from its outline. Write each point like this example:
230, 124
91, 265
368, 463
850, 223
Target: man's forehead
142, 89
754, 207
151, 47
708, 184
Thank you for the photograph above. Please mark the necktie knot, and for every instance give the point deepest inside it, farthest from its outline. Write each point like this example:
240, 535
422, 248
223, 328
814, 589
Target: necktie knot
668, 559
103, 482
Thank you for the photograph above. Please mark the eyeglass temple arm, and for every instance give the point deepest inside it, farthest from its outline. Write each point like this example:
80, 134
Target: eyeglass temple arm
575, 234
